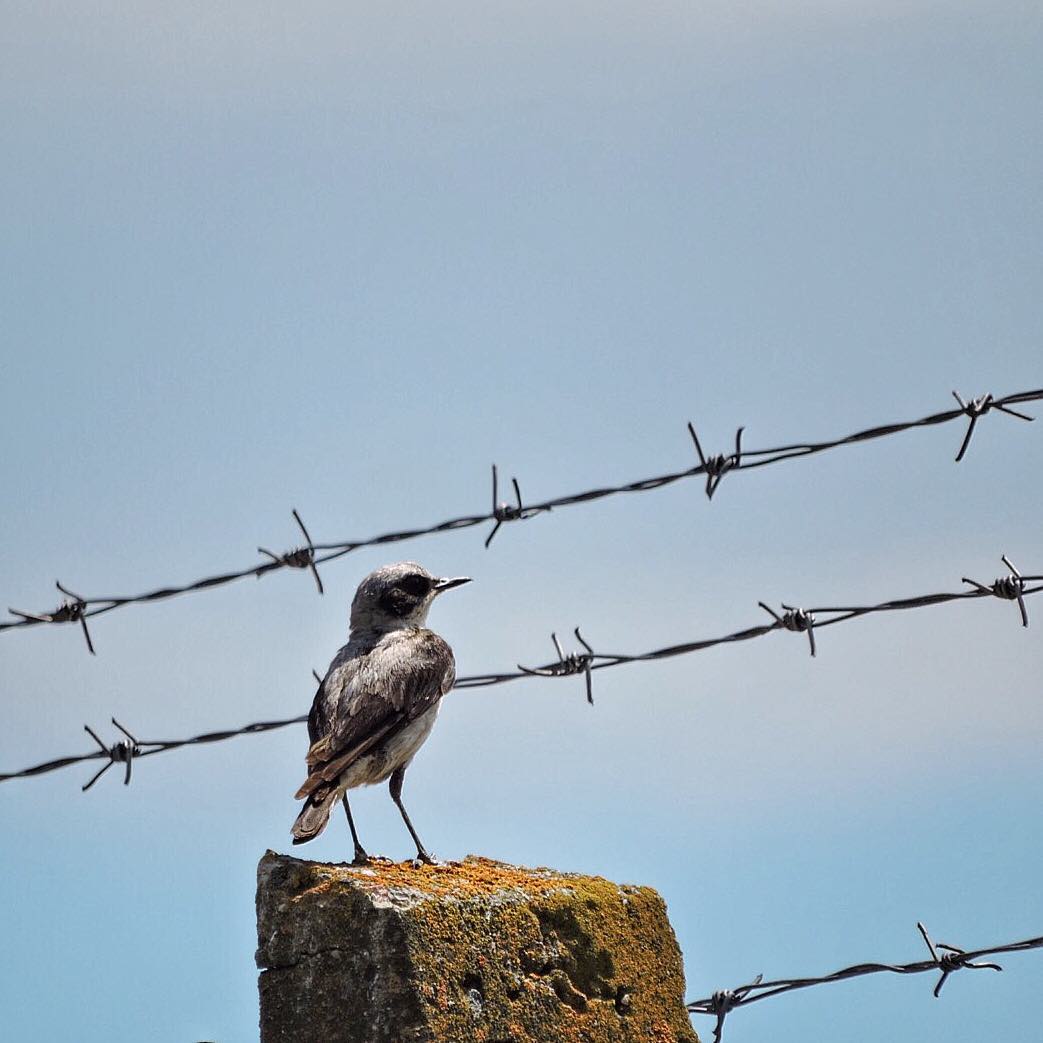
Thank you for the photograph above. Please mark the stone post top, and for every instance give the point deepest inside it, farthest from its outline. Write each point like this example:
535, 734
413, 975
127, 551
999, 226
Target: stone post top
406, 883
473, 950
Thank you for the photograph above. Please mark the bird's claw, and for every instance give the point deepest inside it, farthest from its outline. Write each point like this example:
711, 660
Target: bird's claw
423, 858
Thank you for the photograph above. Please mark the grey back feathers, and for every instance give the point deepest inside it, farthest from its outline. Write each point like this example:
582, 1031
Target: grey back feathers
379, 698
370, 692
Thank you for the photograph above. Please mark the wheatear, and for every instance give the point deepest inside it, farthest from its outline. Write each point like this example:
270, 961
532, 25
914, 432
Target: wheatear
379, 699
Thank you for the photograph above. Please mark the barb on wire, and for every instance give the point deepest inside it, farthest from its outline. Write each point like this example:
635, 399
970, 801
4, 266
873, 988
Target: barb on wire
124, 752
585, 663
951, 959
712, 469
301, 558
715, 467
73, 610
795, 619
567, 665
121, 752
508, 512
1010, 588
724, 1001
979, 407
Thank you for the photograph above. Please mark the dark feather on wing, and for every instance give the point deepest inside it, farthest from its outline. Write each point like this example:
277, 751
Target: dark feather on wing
372, 690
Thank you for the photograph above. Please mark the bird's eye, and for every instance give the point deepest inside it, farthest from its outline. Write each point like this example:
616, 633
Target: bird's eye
415, 584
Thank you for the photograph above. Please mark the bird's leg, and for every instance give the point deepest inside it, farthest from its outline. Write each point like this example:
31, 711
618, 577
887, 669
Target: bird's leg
361, 858
396, 795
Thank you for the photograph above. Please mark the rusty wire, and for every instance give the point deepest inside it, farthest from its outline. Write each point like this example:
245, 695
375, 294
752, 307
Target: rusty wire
947, 961
712, 468
573, 663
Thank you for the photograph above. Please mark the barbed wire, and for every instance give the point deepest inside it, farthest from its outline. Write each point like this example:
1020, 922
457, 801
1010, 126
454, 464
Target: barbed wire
78, 609
1013, 587
946, 962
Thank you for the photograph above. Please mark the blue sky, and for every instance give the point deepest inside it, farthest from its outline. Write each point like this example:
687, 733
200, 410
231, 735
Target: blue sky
341, 260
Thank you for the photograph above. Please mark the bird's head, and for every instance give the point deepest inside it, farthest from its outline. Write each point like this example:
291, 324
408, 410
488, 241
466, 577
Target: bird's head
397, 596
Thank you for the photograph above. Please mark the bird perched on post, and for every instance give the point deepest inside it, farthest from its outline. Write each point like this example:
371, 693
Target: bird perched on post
379, 698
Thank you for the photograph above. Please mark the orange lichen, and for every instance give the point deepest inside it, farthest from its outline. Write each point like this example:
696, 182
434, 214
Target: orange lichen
473, 877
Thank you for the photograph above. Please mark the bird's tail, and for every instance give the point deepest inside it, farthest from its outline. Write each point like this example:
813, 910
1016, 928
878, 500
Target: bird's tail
315, 814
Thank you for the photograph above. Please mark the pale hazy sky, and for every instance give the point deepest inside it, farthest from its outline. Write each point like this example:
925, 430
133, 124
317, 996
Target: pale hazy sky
257, 258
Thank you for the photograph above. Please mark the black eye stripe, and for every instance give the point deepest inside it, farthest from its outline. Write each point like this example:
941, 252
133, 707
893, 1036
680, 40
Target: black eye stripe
415, 584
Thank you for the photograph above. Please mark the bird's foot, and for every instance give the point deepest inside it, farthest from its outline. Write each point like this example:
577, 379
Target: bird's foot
423, 858
361, 858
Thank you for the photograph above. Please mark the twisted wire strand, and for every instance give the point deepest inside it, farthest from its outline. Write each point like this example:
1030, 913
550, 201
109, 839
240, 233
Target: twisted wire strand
948, 961
565, 667
713, 468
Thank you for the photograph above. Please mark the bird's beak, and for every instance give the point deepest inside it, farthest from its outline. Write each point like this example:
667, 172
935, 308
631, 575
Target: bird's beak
448, 584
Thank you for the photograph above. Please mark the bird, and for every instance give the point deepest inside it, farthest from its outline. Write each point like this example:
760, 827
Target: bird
379, 699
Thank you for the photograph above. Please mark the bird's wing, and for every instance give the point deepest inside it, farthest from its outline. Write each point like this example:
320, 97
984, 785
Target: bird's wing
366, 698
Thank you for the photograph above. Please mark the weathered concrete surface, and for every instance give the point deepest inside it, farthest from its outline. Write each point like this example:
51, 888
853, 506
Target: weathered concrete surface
477, 950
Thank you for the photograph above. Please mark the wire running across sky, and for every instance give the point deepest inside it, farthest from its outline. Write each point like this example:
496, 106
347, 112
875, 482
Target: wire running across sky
77, 609
946, 961
1013, 587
